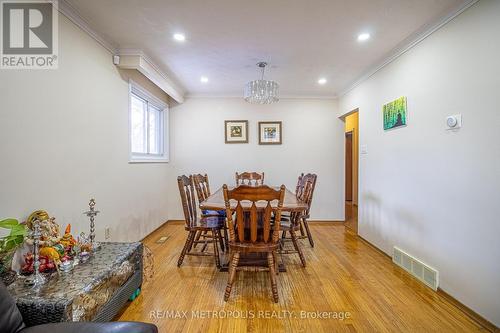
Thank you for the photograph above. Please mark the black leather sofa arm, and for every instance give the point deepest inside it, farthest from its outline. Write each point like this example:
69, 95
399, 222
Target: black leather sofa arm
89, 327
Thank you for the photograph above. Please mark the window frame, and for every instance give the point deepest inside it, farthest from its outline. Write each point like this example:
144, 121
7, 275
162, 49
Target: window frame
163, 140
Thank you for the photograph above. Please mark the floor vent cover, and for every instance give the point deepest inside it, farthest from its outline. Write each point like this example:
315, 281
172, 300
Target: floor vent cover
428, 275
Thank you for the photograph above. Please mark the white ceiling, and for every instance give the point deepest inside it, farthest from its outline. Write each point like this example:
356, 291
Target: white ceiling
302, 40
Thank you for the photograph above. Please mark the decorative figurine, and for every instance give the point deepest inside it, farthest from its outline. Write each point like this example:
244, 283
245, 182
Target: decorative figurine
91, 213
54, 251
36, 280
67, 240
49, 229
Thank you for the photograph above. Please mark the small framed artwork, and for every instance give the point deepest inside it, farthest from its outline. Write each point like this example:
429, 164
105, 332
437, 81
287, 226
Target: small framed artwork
236, 131
395, 113
270, 132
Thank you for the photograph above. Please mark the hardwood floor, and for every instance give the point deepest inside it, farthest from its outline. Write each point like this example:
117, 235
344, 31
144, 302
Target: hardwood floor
351, 216
345, 277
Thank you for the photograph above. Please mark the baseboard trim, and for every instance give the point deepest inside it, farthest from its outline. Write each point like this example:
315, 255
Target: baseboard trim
175, 222
152, 232
374, 247
324, 222
485, 323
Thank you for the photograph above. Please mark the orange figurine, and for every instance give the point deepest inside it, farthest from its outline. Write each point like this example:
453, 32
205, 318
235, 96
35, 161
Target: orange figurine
67, 240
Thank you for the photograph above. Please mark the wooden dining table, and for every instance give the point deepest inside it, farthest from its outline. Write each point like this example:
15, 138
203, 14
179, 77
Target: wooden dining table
290, 204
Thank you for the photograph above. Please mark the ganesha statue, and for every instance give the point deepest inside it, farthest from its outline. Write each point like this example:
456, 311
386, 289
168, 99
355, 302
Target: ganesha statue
48, 227
53, 249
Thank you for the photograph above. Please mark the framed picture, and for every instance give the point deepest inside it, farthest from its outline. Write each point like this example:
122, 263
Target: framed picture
395, 113
236, 131
270, 132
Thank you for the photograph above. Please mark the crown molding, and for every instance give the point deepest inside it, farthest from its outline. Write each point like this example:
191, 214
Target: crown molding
148, 67
407, 45
74, 16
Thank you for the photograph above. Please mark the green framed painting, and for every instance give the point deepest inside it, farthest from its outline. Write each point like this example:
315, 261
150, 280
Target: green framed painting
395, 113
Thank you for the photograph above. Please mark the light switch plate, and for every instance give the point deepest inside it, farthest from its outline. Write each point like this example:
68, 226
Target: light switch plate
363, 149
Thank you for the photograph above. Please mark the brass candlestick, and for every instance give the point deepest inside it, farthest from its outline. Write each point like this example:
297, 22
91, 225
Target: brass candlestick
91, 213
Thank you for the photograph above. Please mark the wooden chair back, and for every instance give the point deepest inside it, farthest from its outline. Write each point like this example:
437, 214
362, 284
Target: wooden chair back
310, 179
260, 228
202, 187
250, 178
186, 191
298, 188
307, 191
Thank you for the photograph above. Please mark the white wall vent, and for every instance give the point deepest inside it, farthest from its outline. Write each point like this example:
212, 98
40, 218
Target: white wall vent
428, 275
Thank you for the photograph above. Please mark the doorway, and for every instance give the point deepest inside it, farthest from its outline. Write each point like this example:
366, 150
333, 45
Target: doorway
351, 170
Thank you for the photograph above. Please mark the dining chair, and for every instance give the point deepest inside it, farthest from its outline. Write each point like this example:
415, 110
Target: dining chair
250, 178
292, 223
202, 187
210, 225
305, 232
252, 232
305, 217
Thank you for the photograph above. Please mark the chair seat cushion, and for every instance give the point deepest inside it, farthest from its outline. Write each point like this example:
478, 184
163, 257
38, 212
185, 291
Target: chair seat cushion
287, 225
208, 212
210, 222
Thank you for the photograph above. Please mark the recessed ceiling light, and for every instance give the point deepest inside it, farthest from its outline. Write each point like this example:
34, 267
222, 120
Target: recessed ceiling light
363, 37
179, 37
204, 79
322, 81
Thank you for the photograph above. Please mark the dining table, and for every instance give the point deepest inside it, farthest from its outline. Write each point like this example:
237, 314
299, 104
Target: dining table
290, 204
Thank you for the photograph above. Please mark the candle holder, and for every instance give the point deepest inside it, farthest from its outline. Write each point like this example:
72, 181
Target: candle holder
37, 279
91, 213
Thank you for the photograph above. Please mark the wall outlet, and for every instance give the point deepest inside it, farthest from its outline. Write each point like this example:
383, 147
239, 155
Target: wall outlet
106, 233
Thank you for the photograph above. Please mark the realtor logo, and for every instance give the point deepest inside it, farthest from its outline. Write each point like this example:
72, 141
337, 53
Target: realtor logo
29, 34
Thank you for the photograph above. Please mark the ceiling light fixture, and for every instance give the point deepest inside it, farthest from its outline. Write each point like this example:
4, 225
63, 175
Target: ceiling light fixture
204, 79
179, 37
363, 37
262, 91
322, 81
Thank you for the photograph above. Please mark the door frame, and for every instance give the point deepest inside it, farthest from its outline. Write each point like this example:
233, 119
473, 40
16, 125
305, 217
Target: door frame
351, 209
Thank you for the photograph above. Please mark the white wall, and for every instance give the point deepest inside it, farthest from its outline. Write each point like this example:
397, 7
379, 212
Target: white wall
64, 139
432, 192
312, 142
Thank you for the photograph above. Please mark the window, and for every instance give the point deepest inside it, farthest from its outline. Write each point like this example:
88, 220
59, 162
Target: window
148, 127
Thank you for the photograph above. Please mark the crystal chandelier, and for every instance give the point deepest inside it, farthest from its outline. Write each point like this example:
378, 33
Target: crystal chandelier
262, 91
